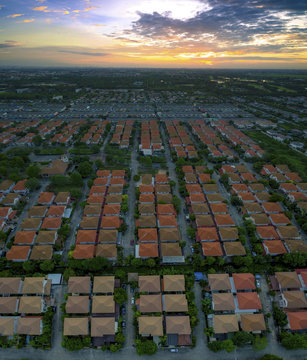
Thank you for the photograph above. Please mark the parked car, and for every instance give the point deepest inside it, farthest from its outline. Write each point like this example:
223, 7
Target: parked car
258, 283
132, 301
174, 350
124, 324
132, 242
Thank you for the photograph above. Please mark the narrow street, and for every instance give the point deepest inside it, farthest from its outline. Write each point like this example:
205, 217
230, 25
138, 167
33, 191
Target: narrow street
182, 225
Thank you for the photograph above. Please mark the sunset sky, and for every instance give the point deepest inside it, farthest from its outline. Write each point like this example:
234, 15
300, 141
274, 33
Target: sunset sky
154, 33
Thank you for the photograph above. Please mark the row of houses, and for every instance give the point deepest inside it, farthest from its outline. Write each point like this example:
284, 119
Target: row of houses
238, 138
235, 305
291, 184
273, 228
98, 230
95, 133
157, 227
164, 309
22, 305
151, 142
9, 135
207, 136
215, 229
122, 133
38, 232
290, 296
179, 140
92, 302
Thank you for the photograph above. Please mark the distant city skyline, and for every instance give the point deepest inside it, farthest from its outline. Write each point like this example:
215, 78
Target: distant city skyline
154, 33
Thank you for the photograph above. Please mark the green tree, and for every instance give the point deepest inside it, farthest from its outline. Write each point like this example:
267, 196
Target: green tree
120, 296
76, 179
47, 266
260, 343
147, 347
270, 357
76, 193
242, 338
37, 140
294, 341
228, 345
32, 184
85, 169
29, 266
33, 171
136, 177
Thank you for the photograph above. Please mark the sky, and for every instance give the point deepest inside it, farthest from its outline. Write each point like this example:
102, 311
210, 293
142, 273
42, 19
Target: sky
154, 33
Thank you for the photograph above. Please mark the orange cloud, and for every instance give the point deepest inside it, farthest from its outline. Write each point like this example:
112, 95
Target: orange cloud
91, 8
76, 11
25, 21
14, 15
39, 8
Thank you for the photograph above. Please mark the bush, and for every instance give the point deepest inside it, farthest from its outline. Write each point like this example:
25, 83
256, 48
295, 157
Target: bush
147, 347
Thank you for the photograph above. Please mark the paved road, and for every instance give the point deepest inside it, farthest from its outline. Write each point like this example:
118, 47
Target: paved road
182, 225
130, 221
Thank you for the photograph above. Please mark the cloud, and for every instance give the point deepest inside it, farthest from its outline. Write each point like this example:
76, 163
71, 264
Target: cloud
224, 23
9, 44
14, 15
25, 21
83, 53
90, 8
39, 8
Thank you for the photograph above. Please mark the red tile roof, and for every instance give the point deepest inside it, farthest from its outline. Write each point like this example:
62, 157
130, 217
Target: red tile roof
244, 281
267, 232
207, 234
222, 220
148, 235
24, 237
18, 252
51, 223
212, 248
248, 300
148, 250
84, 251
86, 236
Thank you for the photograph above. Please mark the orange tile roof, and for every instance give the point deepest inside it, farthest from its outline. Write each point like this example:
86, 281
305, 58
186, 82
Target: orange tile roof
4, 211
279, 219
167, 221
195, 197
289, 187
297, 320
20, 186
246, 196
148, 234
147, 198
52, 223
98, 190
248, 300
18, 252
240, 187
165, 209
219, 208
103, 173
212, 248
293, 176
56, 210
244, 281
45, 198
146, 188
117, 180
101, 181
207, 234
161, 178
271, 207
111, 209
274, 247
110, 222
84, 251
148, 250
222, 220
86, 236
24, 237
120, 173
95, 199
267, 232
